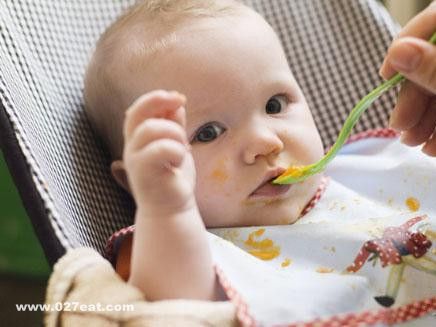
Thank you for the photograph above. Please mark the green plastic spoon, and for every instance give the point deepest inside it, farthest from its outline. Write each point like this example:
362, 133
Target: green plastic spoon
295, 174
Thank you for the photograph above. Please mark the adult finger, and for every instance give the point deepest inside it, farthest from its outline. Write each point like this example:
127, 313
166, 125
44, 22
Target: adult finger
422, 131
416, 60
421, 26
430, 146
411, 96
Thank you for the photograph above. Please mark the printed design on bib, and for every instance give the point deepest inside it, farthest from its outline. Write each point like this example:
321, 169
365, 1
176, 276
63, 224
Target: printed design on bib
397, 248
395, 243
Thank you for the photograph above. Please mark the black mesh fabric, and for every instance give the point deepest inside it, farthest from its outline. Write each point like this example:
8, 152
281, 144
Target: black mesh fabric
334, 48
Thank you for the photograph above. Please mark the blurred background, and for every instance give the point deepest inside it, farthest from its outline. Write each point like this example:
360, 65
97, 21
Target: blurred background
23, 268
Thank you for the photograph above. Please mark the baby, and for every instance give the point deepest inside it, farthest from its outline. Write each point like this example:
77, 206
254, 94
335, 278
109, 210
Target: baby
203, 155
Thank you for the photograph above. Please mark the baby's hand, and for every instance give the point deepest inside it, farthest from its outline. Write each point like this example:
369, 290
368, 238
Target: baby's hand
159, 165
413, 56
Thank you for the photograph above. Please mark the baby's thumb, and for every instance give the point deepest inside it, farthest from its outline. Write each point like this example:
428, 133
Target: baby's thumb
416, 60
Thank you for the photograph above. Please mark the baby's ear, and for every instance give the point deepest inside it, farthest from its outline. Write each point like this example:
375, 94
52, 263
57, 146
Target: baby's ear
119, 174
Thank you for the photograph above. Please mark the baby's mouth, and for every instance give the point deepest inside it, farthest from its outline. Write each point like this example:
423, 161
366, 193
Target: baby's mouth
267, 189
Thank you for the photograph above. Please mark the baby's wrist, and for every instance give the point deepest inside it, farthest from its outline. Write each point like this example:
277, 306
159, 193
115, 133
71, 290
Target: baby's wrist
153, 211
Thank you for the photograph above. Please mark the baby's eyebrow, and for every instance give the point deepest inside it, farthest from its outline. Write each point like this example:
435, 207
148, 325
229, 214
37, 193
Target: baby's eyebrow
194, 122
200, 112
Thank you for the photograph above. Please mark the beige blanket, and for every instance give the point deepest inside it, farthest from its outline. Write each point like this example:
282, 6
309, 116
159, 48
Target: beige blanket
84, 290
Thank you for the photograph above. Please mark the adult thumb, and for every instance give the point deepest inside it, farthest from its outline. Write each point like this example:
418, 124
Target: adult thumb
416, 60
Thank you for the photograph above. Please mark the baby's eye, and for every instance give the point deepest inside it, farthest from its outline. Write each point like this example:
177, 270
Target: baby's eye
208, 132
276, 104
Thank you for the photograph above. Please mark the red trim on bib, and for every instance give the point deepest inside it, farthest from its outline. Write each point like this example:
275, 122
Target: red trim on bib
114, 243
390, 316
242, 312
379, 132
320, 191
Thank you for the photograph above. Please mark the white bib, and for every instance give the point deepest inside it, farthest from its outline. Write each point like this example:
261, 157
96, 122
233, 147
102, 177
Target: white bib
374, 184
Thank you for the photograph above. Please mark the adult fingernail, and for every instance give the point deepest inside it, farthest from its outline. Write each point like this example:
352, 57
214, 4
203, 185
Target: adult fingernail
407, 58
383, 69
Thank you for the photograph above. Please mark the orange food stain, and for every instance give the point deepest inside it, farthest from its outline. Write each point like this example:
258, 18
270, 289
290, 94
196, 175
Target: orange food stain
219, 173
265, 254
286, 262
262, 244
413, 204
324, 270
263, 249
259, 232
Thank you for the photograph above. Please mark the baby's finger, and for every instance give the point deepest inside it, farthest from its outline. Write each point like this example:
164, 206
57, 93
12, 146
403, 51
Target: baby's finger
410, 97
416, 60
158, 104
422, 131
163, 154
153, 129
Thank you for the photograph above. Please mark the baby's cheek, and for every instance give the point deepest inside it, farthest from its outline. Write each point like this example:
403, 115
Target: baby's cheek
213, 193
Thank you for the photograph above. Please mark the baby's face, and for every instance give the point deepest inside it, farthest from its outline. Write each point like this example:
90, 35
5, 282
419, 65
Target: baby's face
247, 119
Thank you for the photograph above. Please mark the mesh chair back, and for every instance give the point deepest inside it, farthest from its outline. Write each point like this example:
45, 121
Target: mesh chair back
334, 48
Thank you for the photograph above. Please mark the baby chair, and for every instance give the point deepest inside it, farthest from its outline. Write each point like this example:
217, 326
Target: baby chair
60, 167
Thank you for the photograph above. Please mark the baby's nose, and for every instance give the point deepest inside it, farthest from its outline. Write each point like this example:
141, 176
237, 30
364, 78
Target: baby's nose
262, 144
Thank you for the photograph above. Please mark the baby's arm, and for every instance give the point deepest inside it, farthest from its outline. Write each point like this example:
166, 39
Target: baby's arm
170, 252
411, 55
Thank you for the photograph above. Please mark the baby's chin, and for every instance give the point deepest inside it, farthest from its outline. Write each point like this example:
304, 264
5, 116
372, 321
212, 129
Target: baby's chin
287, 211
278, 216
267, 215
283, 211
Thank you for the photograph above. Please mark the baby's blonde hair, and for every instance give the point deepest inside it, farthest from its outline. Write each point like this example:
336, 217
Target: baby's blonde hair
145, 29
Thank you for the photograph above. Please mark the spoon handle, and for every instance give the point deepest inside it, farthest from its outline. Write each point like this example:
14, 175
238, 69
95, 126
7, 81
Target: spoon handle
304, 172
358, 110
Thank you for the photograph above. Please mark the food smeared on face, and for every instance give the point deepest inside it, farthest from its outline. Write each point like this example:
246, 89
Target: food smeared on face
219, 173
264, 249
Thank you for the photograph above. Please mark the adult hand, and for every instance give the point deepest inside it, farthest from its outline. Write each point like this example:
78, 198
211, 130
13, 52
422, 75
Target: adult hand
414, 57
